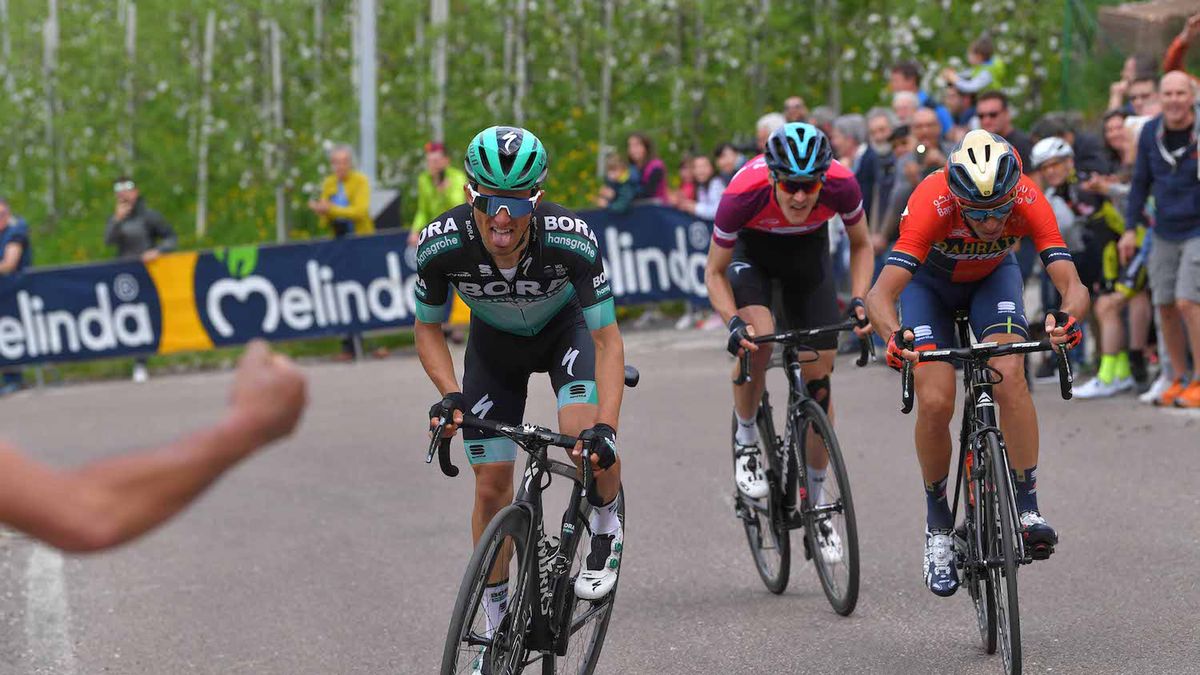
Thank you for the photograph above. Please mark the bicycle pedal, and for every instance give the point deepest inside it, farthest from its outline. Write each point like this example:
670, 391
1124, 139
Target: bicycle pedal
1040, 552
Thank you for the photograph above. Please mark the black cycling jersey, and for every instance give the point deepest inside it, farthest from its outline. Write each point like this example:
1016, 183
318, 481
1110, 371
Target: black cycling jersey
561, 264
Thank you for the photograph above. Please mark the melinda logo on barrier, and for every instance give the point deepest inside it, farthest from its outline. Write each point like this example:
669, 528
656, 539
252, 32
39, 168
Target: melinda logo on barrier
305, 289
80, 313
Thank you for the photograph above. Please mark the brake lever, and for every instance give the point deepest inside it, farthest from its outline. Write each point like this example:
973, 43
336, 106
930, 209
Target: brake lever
743, 375
441, 445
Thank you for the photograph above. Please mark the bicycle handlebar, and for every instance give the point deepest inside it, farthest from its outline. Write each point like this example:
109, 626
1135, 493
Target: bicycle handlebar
799, 336
521, 434
981, 353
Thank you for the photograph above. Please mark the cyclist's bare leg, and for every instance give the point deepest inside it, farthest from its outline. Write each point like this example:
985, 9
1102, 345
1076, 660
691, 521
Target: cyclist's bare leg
747, 396
572, 420
817, 458
493, 491
1018, 417
934, 384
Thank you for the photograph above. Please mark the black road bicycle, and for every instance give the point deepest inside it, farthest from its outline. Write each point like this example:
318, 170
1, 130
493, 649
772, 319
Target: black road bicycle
544, 621
989, 544
828, 524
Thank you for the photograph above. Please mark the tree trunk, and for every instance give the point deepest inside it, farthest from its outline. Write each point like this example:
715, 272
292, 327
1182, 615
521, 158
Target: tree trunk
522, 82
439, 15
833, 53
129, 84
10, 85
210, 32
277, 129
698, 80
49, 69
605, 85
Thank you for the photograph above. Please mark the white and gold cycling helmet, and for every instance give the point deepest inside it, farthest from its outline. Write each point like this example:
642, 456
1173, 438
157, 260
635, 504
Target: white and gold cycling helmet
983, 169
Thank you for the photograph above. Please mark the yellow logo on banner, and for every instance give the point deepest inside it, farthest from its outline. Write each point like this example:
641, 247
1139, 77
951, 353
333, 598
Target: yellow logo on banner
174, 277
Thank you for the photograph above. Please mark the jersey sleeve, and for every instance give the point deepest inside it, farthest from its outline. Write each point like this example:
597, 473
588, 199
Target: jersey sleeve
591, 287
921, 224
432, 289
735, 210
1041, 223
848, 200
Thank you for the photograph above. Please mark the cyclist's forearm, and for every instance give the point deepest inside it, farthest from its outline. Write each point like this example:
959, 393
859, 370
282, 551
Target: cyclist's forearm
862, 262
435, 356
716, 280
610, 374
881, 302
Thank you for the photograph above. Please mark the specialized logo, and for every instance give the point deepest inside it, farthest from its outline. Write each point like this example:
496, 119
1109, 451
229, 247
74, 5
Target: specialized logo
509, 139
482, 407
569, 360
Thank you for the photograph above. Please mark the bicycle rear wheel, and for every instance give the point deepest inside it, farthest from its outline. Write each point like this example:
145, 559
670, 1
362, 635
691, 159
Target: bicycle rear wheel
502, 548
587, 620
762, 519
979, 532
1003, 555
830, 529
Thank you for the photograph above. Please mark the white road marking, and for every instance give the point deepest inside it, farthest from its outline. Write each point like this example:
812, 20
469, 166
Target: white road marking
47, 617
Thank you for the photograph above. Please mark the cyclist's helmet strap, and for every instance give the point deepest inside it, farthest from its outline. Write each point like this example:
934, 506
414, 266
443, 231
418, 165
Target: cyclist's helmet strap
983, 169
798, 150
507, 158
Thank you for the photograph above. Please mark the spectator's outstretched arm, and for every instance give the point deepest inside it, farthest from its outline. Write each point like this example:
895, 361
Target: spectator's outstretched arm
162, 232
1177, 52
115, 500
11, 257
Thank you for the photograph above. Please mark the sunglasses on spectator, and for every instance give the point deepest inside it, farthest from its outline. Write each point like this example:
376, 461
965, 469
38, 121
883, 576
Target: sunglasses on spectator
989, 115
123, 186
807, 185
491, 204
980, 215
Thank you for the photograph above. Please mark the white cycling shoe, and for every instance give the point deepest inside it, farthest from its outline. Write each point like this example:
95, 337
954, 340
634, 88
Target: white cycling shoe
748, 472
599, 574
829, 543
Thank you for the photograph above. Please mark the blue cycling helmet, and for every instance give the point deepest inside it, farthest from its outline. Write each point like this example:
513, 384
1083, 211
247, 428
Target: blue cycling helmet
798, 151
983, 169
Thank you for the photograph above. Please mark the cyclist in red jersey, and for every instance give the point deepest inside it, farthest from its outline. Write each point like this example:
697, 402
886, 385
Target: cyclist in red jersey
954, 253
771, 226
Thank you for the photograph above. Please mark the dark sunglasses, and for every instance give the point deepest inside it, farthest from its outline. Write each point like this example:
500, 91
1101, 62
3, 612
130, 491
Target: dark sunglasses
807, 186
491, 204
989, 115
980, 215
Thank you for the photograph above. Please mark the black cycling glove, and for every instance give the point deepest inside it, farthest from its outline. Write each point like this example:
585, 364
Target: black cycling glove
601, 440
737, 333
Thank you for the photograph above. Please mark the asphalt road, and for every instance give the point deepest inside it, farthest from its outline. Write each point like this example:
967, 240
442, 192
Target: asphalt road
340, 551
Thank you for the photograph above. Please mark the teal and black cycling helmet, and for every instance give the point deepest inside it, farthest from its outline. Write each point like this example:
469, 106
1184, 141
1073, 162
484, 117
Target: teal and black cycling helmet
798, 151
507, 158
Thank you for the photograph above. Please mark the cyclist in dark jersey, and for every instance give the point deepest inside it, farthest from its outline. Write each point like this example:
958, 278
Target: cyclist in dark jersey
772, 226
540, 302
957, 234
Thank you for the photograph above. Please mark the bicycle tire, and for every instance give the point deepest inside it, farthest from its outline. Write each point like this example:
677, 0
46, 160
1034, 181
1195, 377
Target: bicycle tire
755, 518
1004, 576
841, 593
511, 523
597, 614
978, 581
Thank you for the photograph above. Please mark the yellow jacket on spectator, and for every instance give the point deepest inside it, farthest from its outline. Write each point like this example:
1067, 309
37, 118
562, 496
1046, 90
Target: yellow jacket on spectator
357, 193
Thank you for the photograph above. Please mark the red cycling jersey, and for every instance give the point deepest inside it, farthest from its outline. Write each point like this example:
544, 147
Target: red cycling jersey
749, 202
933, 231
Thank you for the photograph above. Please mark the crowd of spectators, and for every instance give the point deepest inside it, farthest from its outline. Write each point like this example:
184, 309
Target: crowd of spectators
1126, 193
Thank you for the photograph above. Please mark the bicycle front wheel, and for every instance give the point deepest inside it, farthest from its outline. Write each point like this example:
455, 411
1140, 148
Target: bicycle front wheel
498, 641
767, 536
979, 532
830, 529
1002, 563
587, 620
